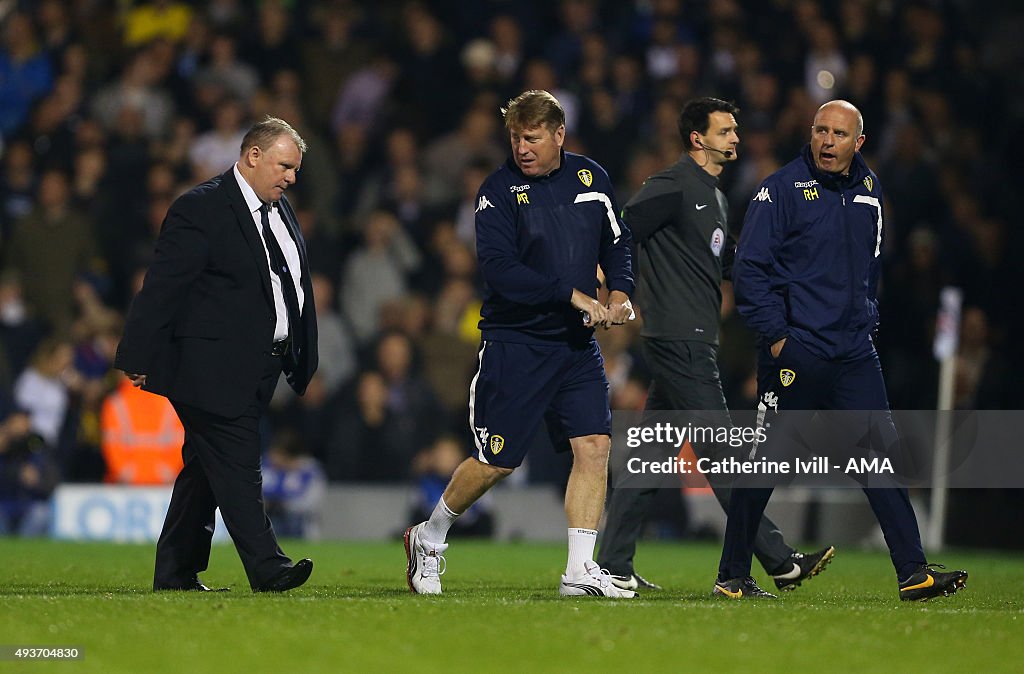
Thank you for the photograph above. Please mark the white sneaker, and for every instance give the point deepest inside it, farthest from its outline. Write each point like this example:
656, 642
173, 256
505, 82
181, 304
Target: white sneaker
595, 582
426, 564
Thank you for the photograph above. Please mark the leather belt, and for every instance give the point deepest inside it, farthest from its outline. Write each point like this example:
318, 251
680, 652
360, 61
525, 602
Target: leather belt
280, 348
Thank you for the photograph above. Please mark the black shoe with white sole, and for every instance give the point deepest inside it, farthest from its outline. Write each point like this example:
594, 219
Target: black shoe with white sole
633, 581
801, 567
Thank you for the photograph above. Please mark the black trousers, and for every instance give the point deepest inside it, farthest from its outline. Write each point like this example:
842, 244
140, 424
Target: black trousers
824, 385
685, 377
222, 469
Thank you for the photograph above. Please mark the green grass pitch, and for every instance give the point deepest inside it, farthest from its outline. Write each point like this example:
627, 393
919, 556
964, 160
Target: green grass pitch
501, 612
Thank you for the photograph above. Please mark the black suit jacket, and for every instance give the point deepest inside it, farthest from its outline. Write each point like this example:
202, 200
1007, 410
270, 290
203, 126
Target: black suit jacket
205, 317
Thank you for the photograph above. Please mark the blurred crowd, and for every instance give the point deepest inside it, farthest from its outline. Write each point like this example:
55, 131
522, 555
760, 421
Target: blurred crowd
109, 110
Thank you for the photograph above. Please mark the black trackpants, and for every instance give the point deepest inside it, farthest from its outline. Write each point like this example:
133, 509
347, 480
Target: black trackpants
685, 377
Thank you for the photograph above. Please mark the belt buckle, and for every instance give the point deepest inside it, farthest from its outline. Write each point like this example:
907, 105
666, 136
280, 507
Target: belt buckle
279, 348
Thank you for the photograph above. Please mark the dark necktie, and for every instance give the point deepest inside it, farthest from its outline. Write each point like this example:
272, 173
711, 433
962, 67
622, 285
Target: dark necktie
279, 267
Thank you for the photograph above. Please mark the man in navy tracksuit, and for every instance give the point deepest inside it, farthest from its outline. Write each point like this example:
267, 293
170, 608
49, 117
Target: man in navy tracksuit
805, 275
544, 222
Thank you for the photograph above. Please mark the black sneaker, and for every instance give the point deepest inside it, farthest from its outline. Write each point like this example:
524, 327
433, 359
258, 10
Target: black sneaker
740, 588
633, 581
926, 583
803, 566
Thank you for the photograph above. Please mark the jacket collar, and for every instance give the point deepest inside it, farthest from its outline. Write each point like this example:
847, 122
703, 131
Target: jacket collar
235, 189
248, 193
511, 163
698, 170
858, 171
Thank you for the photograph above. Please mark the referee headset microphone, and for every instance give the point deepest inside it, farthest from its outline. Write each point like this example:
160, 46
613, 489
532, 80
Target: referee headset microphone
725, 153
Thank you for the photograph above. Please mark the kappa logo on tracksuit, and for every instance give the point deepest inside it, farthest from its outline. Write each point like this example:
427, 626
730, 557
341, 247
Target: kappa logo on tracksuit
769, 399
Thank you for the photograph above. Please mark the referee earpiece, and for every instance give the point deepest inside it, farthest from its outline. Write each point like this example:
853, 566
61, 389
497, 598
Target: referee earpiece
725, 153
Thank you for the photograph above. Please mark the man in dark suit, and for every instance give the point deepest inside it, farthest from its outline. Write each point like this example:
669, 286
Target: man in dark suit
226, 305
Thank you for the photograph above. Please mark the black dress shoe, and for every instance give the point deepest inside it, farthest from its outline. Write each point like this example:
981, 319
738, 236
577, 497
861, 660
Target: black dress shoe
288, 579
193, 586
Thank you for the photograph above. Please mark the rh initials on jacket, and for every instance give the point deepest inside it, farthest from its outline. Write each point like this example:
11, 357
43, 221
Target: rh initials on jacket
808, 260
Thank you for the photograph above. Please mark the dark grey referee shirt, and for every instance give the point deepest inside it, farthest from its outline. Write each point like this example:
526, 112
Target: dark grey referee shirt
679, 224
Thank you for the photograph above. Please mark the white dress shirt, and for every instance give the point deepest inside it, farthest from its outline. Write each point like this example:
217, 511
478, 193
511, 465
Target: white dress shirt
288, 247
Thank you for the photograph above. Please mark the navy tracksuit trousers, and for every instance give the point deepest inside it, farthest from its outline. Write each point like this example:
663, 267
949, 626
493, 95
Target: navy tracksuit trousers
817, 384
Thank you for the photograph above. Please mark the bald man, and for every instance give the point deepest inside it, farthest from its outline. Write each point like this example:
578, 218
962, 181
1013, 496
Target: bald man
805, 276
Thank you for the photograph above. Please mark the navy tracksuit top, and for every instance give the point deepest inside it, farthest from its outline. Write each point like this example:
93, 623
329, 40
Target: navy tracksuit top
537, 238
808, 258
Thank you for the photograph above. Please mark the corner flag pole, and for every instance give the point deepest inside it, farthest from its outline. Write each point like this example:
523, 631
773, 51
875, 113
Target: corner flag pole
947, 339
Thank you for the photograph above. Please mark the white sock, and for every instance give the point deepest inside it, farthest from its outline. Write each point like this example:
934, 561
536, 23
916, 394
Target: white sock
441, 520
581, 549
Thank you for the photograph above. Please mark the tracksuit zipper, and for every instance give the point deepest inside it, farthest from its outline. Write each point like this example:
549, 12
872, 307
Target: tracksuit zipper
849, 264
